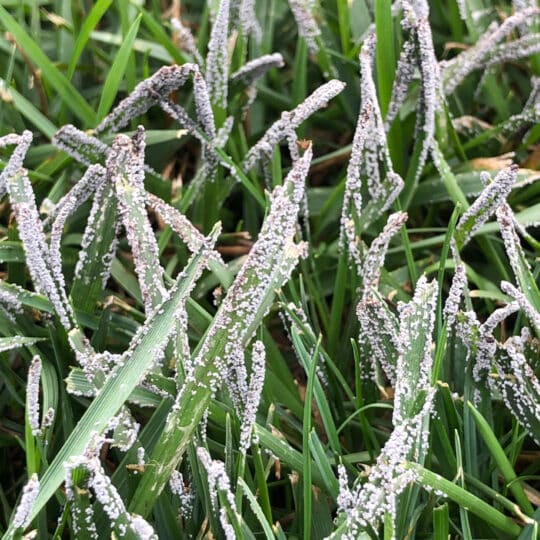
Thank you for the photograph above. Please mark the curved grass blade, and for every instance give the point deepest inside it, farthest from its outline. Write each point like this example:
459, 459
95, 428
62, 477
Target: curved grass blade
256, 508
77, 384
248, 74
88, 150
28, 110
181, 225
485, 205
489, 50
147, 94
291, 120
81, 146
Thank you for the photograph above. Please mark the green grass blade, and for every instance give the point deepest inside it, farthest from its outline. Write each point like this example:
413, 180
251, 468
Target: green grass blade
117, 71
77, 383
260, 479
276, 443
465, 499
306, 481
28, 110
386, 59
156, 29
501, 460
323, 464
441, 522
257, 510
82, 512
320, 397
76, 103
344, 14
463, 510
90, 22
338, 302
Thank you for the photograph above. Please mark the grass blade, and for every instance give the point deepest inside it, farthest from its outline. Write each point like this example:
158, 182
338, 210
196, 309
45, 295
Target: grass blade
125, 166
441, 522
98, 245
501, 460
257, 510
28, 110
76, 103
306, 480
117, 70
466, 499
516, 255
485, 205
15, 342
90, 22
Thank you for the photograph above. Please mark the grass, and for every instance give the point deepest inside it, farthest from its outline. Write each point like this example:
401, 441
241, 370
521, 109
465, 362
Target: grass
288, 292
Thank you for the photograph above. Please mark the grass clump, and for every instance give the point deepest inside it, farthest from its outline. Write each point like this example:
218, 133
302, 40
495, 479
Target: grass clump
269, 269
